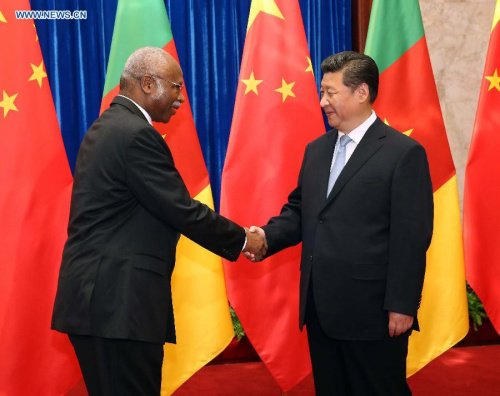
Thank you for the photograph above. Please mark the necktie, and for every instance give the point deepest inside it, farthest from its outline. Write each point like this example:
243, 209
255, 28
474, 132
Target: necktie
338, 163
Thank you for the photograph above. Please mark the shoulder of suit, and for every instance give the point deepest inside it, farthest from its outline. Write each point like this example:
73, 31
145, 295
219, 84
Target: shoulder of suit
120, 121
122, 115
324, 138
399, 138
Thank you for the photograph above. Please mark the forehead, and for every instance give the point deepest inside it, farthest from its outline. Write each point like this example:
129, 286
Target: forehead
177, 76
172, 70
332, 80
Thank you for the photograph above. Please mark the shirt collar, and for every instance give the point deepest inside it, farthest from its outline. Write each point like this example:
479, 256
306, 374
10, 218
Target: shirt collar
357, 133
148, 117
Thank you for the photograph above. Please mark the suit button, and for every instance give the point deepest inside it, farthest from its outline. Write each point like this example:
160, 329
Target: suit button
311, 258
321, 220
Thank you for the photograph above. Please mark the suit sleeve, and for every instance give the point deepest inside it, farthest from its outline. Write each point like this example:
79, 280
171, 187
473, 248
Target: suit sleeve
285, 230
412, 214
155, 181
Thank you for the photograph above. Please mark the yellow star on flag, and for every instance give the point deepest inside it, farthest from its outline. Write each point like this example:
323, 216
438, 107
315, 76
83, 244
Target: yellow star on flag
286, 89
8, 103
310, 67
38, 73
407, 133
494, 80
2, 18
251, 84
267, 6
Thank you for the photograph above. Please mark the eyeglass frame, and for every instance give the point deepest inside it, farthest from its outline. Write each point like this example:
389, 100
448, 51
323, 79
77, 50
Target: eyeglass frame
176, 85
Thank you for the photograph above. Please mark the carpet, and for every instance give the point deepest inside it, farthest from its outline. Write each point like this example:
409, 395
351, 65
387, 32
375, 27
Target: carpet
466, 371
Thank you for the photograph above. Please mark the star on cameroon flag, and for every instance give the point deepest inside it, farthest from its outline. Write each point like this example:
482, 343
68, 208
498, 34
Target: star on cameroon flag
396, 41
407, 132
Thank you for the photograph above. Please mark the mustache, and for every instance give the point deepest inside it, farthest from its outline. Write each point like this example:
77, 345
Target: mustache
176, 104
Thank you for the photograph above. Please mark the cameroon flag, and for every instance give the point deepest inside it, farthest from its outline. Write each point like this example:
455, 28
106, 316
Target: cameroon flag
408, 101
202, 320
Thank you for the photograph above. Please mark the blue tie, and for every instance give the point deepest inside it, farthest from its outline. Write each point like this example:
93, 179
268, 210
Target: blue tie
338, 163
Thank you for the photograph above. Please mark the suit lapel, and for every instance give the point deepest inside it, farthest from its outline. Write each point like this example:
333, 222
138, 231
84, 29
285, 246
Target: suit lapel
372, 141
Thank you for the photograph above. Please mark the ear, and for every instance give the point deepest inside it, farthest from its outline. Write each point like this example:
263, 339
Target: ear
363, 92
146, 84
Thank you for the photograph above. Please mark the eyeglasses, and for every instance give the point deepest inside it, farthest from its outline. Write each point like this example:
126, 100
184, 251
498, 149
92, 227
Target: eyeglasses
176, 85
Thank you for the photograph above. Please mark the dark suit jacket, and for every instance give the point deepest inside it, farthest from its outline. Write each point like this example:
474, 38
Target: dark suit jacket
128, 207
365, 246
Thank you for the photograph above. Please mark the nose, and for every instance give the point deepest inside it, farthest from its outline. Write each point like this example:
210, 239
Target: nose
323, 102
181, 97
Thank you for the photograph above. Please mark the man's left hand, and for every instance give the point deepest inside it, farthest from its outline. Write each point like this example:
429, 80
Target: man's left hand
399, 323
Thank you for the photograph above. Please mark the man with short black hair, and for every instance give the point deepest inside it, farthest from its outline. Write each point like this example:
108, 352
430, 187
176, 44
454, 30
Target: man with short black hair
363, 210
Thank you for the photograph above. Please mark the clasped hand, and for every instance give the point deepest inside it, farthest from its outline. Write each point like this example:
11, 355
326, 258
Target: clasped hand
256, 247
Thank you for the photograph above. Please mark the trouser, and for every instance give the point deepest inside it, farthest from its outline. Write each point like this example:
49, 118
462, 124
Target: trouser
355, 368
113, 367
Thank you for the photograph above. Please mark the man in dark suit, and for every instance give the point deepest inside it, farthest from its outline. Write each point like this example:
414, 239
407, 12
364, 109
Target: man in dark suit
128, 208
363, 210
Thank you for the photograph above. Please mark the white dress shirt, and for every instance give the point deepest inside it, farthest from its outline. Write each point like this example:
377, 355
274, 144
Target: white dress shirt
148, 117
356, 135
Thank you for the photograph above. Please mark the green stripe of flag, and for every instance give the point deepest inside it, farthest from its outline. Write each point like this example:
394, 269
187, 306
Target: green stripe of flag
146, 19
395, 26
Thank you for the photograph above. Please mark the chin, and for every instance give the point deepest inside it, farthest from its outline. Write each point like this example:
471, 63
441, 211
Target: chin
166, 119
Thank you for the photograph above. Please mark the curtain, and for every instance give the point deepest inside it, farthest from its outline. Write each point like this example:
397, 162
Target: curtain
209, 36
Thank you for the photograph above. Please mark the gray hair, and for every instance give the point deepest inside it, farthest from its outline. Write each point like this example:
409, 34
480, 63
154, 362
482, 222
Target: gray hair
145, 60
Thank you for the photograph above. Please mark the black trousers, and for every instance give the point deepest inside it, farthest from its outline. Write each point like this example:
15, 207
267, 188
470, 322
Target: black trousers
355, 368
112, 367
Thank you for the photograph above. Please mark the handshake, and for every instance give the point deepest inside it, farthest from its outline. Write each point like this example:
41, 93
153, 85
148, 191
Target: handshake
256, 247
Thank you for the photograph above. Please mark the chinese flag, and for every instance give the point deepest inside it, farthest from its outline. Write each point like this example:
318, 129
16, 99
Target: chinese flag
482, 188
35, 190
276, 114
202, 320
408, 101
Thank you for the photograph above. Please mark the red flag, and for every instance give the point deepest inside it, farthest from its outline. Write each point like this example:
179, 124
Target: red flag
35, 188
482, 188
276, 114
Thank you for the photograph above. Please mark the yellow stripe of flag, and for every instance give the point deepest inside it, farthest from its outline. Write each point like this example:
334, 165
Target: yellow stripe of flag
199, 296
443, 315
